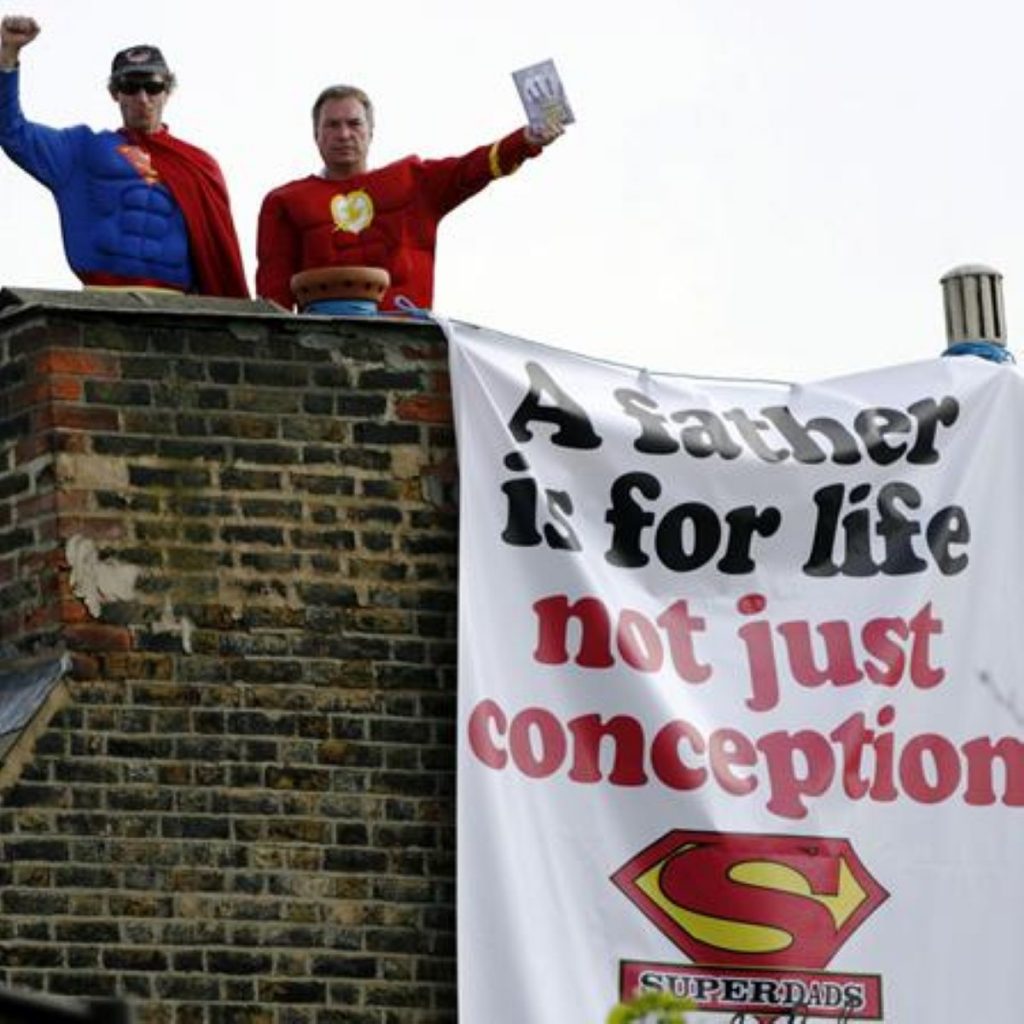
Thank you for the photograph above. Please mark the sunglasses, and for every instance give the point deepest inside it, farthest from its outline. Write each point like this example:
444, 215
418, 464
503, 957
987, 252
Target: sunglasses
130, 88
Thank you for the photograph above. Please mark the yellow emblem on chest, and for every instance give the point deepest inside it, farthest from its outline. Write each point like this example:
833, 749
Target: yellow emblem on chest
352, 212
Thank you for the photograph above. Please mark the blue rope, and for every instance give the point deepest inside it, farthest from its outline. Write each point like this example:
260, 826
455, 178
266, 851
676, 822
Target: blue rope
366, 307
983, 349
342, 307
409, 308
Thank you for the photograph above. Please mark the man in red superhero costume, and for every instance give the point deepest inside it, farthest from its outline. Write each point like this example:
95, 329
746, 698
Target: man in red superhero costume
351, 216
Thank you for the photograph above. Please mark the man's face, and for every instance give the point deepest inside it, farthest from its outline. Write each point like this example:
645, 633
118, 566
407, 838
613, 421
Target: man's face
343, 137
142, 99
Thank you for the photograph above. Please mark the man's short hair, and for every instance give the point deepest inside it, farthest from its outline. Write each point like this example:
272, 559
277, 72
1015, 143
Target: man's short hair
342, 92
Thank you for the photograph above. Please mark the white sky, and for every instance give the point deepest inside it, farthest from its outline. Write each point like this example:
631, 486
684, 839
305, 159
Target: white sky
753, 187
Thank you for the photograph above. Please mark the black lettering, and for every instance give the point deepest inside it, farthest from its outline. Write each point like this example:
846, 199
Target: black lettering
873, 425
628, 520
654, 439
744, 522
949, 527
930, 416
573, 427
558, 533
710, 437
844, 444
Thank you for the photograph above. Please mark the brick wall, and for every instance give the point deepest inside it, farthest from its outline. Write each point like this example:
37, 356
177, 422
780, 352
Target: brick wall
239, 524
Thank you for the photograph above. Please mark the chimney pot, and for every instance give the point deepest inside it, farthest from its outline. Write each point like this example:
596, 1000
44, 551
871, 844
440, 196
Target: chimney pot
973, 300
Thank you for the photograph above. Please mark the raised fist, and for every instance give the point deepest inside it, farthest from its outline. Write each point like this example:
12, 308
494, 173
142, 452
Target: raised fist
17, 31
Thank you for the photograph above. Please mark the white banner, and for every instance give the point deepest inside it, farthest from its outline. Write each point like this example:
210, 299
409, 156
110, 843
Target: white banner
741, 702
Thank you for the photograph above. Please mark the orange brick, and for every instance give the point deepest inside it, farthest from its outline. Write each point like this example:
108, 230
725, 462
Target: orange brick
77, 363
65, 389
424, 409
431, 351
74, 417
72, 503
97, 636
97, 529
47, 389
73, 612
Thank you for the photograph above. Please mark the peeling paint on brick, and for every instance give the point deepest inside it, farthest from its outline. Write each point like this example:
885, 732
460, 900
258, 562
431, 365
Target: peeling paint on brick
91, 471
176, 626
98, 582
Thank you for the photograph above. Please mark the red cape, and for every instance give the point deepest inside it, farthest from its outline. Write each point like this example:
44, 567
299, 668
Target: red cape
195, 180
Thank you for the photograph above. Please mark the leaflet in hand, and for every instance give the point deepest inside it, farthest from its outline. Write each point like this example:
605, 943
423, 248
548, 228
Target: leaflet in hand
543, 95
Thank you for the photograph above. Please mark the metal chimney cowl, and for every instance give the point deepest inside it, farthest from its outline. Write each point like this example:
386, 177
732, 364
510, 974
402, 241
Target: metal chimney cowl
973, 300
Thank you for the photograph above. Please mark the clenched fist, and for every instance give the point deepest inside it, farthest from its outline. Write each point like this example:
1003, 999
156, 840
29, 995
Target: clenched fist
16, 31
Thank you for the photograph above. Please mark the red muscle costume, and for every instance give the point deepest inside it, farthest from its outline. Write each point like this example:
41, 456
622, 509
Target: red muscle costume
385, 218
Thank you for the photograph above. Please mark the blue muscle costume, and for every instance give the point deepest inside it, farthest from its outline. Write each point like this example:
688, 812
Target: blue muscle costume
119, 220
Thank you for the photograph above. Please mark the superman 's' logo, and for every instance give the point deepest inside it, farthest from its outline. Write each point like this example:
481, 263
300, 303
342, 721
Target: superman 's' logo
752, 900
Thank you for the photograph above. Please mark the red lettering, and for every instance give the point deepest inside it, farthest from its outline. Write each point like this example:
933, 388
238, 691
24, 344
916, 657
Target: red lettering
728, 747
981, 755
945, 765
794, 767
639, 643
840, 667
636, 637
553, 615
924, 627
679, 626
877, 642
788, 785
628, 758
666, 762
551, 742
485, 715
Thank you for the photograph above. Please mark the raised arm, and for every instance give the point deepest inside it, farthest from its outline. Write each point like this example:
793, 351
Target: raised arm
448, 182
45, 153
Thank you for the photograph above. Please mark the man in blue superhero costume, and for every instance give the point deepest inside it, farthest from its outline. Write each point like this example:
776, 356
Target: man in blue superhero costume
138, 207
